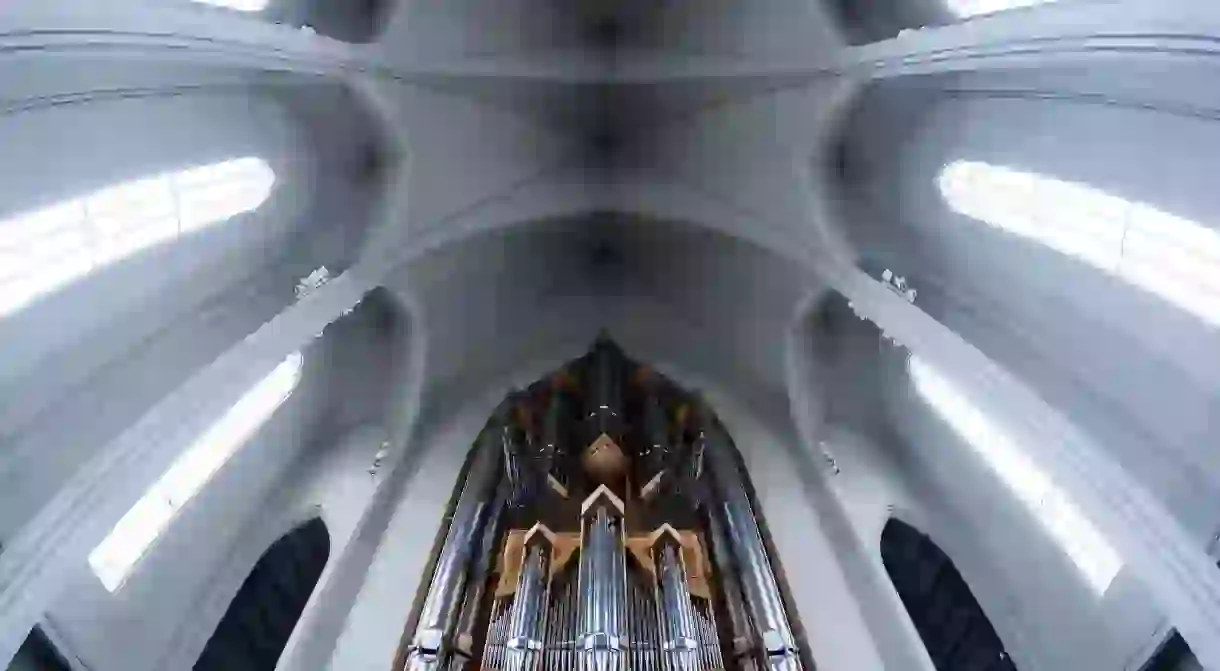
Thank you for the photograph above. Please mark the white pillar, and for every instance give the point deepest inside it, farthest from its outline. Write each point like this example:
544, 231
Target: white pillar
1177, 572
898, 644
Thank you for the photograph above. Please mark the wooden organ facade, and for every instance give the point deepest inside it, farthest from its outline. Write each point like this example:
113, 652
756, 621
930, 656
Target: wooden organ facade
603, 523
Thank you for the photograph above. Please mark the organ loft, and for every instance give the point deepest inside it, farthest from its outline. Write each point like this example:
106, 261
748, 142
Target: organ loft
603, 523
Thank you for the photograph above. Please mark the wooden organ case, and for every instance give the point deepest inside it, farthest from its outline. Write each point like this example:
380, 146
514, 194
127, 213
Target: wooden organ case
603, 524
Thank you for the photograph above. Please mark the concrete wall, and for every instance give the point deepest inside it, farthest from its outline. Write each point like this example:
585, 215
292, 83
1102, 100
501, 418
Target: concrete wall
894, 457
521, 188
118, 330
1079, 337
312, 458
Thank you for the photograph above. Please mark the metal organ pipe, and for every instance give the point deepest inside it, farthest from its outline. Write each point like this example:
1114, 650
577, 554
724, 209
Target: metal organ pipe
573, 605
680, 643
513, 443
476, 584
603, 585
432, 644
739, 619
527, 621
772, 629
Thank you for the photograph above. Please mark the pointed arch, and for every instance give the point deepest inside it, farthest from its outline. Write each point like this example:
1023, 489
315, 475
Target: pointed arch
950, 621
260, 619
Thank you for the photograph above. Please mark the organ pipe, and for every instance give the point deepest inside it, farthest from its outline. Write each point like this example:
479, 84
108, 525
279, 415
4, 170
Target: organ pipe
773, 633
476, 589
739, 620
680, 645
603, 584
561, 556
433, 639
527, 620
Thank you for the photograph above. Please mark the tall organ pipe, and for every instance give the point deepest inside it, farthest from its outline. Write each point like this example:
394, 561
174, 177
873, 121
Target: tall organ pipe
773, 632
603, 586
680, 636
432, 644
527, 622
476, 584
517, 468
739, 619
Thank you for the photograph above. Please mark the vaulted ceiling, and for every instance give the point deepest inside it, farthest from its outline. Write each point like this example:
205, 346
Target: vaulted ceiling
714, 183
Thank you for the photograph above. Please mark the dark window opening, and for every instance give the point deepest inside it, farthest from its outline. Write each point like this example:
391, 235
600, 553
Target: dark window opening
255, 629
1174, 655
37, 653
952, 624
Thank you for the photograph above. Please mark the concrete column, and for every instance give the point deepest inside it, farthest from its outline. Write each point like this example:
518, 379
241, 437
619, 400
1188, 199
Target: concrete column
898, 643
1177, 572
37, 559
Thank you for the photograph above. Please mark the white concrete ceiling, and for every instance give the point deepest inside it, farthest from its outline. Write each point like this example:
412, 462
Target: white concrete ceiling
689, 176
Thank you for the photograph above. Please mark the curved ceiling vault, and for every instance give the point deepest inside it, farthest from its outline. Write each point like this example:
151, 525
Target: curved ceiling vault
468, 187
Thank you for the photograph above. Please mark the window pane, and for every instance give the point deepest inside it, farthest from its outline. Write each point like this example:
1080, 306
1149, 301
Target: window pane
1168, 256
1083, 543
113, 559
45, 250
968, 8
239, 5
123, 547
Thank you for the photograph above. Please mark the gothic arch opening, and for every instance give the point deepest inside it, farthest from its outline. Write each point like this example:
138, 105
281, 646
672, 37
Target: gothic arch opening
260, 619
952, 624
38, 653
604, 520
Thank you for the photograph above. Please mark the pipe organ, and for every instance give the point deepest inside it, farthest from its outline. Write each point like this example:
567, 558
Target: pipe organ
604, 523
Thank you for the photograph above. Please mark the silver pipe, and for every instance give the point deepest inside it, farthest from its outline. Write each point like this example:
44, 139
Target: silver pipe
501, 623
636, 616
602, 598
526, 629
573, 627
652, 625
773, 633
569, 641
552, 628
714, 637
476, 588
555, 641
739, 619
565, 625
493, 633
433, 639
680, 638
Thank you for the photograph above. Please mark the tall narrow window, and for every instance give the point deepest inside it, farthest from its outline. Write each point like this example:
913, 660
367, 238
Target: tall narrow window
1170, 257
113, 559
969, 8
1083, 543
260, 619
42, 251
951, 623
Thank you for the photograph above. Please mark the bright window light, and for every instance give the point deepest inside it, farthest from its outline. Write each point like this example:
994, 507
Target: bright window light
113, 559
1082, 542
1173, 258
45, 250
969, 8
238, 5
